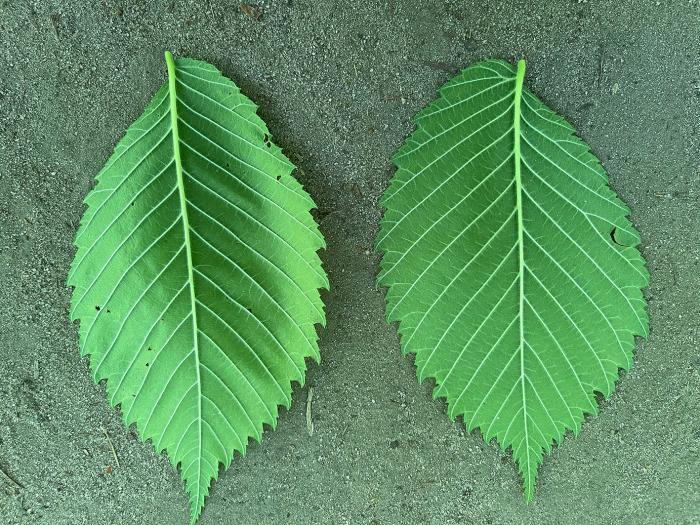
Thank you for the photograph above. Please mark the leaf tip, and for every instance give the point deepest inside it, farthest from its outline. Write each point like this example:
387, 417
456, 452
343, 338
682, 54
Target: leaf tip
194, 515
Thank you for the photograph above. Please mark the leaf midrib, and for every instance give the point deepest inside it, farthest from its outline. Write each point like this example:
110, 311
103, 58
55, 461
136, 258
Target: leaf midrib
188, 250
520, 75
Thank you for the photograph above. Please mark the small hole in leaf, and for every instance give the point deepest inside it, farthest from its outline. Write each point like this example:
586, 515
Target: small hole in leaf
148, 364
613, 232
279, 177
97, 308
109, 311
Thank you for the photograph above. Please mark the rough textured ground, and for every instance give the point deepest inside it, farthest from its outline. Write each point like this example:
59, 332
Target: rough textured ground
338, 83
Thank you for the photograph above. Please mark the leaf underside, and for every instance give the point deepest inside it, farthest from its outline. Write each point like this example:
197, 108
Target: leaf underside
510, 264
196, 278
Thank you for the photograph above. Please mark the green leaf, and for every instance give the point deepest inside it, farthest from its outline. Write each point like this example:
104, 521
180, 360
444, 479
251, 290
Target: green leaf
510, 264
196, 275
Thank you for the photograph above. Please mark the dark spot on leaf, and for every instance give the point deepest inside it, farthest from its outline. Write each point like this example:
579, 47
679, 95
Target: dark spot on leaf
97, 308
148, 364
278, 177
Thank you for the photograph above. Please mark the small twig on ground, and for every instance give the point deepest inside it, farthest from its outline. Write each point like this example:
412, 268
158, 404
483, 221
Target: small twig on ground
114, 452
11, 479
309, 420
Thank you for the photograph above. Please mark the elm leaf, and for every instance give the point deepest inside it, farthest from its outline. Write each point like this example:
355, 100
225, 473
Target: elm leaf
196, 277
510, 264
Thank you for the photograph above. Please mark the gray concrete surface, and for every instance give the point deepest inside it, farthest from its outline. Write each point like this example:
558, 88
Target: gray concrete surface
338, 83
